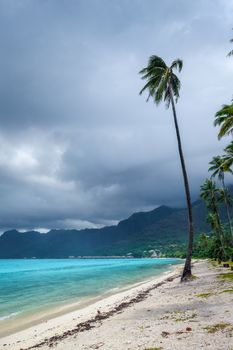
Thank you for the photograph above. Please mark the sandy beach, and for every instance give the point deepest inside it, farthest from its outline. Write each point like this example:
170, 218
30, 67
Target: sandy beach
160, 314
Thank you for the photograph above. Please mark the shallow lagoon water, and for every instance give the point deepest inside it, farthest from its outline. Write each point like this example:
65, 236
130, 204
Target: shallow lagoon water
29, 286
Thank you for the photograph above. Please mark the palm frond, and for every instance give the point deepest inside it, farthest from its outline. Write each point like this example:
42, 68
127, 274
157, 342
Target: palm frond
224, 119
157, 61
225, 110
215, 172
152, 87
151, 84
175, 85
226, 128
229, 148
177, 64
149, 72
161, 89
217, 167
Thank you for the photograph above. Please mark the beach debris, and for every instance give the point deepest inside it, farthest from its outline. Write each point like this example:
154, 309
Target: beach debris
226, 265
165, 334
94, 321
180, 315
97, 346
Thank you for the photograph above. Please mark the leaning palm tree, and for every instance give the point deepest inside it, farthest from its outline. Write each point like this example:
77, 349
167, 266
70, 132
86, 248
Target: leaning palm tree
224, 119
163, 85
218, 167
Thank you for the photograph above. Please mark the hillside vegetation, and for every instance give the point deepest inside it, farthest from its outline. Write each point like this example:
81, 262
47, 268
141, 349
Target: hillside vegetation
163, 229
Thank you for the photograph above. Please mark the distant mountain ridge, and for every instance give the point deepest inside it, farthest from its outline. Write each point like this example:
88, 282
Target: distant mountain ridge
159, 229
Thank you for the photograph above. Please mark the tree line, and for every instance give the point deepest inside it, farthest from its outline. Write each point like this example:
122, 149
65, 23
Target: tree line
220, 244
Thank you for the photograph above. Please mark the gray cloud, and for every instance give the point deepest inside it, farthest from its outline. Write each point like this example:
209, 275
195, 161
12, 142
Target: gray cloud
78, 146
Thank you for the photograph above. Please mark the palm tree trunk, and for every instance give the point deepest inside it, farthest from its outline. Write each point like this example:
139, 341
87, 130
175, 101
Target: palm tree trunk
227, 206
187, 266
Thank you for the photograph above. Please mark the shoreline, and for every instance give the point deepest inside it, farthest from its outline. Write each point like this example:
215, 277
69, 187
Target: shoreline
86, 312
11, 325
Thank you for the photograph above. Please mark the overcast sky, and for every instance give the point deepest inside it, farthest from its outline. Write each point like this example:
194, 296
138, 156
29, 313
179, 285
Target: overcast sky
78, 146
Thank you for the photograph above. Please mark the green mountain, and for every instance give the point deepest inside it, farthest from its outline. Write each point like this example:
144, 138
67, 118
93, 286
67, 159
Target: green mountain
164, 229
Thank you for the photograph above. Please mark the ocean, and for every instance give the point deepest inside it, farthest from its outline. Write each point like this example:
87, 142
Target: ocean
29, 287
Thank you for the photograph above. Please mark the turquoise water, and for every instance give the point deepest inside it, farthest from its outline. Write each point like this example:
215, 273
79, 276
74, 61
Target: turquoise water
31, 285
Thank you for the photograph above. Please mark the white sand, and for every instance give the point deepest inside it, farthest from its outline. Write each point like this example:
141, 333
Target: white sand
171, 317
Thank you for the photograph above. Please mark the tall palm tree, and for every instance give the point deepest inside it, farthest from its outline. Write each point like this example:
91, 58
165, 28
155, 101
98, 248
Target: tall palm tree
218, 167
163, 85
224, 118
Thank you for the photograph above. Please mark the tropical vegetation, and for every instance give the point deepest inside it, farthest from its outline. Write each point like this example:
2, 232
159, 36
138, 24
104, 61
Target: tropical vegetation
219, 243
219, 167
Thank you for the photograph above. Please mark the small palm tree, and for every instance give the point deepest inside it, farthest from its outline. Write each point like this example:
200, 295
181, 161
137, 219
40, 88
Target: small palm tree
210, 194
218, 168
224, 119
163, 85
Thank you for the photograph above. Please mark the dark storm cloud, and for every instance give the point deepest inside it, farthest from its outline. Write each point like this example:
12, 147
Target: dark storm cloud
78, 146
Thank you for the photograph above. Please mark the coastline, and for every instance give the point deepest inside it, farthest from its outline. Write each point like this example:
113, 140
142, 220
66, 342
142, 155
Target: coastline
67, 317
